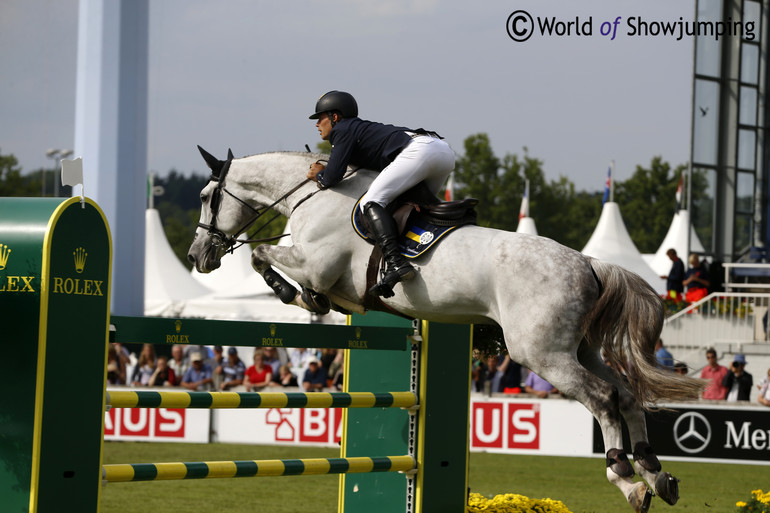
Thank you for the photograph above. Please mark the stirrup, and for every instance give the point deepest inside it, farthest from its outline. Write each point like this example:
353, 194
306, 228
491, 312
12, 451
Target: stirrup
390, 277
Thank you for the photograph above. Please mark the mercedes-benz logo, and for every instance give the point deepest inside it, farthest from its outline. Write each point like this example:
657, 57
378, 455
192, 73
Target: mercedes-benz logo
692, 432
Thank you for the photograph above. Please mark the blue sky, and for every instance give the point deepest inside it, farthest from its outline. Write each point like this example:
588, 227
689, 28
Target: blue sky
246, 74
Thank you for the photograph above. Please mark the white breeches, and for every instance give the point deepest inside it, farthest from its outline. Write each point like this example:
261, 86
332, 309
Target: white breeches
425, 159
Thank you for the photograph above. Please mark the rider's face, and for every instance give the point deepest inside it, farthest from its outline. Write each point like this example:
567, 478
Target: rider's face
324, 126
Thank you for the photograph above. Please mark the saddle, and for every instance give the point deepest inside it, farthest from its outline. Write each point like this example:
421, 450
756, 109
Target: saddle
423, 220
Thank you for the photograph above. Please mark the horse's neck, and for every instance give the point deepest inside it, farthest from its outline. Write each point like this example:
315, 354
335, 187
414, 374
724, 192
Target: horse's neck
272, 175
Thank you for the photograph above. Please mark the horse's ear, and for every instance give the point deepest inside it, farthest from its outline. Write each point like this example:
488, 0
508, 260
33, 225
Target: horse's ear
230, 154
214, 163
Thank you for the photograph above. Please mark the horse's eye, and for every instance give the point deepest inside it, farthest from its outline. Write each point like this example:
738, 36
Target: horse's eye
204, 198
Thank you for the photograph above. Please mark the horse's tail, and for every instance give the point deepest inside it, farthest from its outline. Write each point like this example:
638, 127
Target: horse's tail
626, 323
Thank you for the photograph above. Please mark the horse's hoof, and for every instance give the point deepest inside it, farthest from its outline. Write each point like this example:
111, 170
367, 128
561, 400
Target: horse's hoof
317, 303
667, 487
640, 498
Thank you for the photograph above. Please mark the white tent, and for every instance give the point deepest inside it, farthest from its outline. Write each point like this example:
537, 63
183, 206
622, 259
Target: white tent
526, 225
232, 292
166, 281
676, 238
610, 242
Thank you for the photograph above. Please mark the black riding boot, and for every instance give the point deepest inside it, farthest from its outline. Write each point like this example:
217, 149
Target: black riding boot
384, 229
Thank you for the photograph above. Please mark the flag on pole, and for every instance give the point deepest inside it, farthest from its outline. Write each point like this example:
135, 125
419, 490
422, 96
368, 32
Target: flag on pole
607, 186
679, 193
449, 194
72, 175
524, 210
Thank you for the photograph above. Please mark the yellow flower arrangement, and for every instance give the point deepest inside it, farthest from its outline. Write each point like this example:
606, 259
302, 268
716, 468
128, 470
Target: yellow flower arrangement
513, 503
759, 503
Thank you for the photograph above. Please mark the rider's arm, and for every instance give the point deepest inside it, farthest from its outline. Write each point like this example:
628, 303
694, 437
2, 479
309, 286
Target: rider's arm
343, 142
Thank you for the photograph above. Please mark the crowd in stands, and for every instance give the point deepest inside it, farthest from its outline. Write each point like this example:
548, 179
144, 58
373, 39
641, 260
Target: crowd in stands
498, 374
202, 368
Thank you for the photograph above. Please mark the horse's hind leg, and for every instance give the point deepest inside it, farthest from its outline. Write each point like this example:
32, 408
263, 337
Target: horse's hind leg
646, 461
601, 399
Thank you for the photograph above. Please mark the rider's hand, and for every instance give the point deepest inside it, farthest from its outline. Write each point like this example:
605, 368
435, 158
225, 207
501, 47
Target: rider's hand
315, 168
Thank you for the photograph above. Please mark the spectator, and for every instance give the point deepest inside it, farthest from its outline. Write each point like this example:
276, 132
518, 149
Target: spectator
696, 280
298, 361
538, 386
217, 367
271, 359
511, 381
284, 378
663, 356
680, 368
233, 370
738, 382
163, 375
674, 286
477, 368
259, 375
124, 356
714, 373
198, 376
145, 367
116, 367
331, 361
178, 363
491, 376
764, 390
315, 376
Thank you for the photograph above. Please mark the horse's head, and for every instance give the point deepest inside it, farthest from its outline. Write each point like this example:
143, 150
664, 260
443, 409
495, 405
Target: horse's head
224, 215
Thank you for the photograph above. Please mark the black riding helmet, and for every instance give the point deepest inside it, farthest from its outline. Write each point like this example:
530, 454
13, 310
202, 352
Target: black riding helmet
338, 101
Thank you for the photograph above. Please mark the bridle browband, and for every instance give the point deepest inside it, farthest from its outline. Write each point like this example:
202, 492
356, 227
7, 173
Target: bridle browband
232, 242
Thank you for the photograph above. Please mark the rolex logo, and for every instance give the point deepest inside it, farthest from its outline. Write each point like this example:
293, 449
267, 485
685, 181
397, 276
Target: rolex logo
178, 325
272, 330
358, 332
5, 252
80, 259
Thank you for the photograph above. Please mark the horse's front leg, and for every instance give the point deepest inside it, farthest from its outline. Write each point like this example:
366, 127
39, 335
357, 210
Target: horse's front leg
291, 260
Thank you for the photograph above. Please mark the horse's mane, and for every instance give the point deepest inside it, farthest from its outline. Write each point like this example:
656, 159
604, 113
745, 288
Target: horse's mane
291, 153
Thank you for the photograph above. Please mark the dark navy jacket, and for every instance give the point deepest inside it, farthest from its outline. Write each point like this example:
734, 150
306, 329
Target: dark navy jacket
364, 144
675, 276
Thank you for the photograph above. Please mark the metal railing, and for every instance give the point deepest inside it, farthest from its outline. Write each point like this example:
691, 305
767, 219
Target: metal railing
747, 270
721, 317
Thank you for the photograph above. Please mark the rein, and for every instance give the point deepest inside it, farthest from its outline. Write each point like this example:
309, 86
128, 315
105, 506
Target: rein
232, 242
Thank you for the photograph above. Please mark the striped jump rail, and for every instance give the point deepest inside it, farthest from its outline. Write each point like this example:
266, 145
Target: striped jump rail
183, 399
254, 468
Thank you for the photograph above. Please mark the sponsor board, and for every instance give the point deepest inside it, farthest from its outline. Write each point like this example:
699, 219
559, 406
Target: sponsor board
710, 432
530, 426
308, 426
157, 425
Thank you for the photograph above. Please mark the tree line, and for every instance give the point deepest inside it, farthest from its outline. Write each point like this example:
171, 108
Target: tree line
562, 213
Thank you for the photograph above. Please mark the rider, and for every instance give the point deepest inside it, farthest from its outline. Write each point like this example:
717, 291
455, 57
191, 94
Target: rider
403, 156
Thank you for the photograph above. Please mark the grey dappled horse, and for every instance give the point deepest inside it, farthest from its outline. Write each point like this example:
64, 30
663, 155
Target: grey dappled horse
559, 310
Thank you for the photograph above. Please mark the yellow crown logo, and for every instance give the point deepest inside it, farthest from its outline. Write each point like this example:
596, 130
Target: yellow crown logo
5, 252
80, 259
178, 326
272, 330
358, 332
